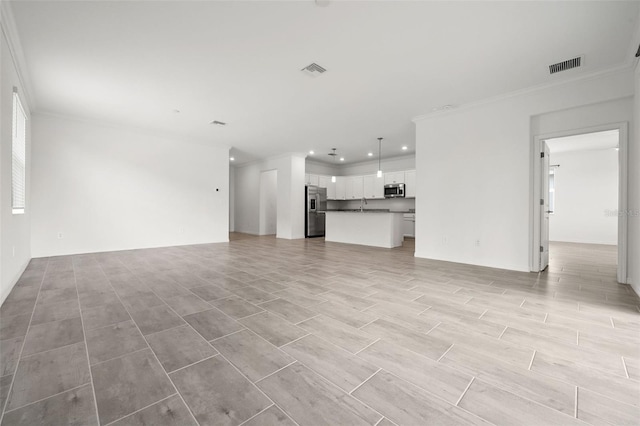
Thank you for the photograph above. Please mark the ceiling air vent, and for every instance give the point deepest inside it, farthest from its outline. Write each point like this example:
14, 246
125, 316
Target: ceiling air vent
565, 65
313, 70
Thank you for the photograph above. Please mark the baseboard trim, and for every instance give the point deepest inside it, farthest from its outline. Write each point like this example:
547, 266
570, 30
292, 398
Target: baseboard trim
14, 281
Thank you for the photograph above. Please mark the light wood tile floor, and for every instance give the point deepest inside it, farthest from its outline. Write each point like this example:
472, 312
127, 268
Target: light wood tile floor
262, 331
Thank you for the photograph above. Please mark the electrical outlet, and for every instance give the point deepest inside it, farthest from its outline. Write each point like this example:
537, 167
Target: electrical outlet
477, 243
60, 236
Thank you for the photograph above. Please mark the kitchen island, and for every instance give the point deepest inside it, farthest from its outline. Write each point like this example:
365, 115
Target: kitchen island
378, 228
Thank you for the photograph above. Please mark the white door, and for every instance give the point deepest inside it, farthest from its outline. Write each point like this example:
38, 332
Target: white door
544, 207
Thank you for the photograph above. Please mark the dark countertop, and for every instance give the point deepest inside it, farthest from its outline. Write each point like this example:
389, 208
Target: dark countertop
369, 211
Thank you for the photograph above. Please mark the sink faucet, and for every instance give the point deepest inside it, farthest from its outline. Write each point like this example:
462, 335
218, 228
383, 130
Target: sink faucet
363, 201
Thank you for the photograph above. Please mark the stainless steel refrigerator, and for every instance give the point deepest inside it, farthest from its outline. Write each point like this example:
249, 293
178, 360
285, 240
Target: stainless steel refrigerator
316, 202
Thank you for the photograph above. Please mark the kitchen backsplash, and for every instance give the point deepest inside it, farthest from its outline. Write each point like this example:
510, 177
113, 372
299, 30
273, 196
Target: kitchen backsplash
397, 204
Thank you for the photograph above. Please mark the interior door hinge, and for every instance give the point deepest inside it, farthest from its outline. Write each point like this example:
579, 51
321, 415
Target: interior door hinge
541, 249
542, 201
542, 155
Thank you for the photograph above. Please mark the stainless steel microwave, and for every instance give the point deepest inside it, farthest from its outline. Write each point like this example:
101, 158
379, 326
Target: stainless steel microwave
394, 190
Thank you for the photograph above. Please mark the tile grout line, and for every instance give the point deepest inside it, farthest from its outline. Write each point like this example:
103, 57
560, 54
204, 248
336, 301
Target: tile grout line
193, 363
482, 314
277, 371
137, 411
531, 362
226, 335
546, 315
288, 343
624, 364
86, 345
464, 392
575, 409
15, 371
257, 414
370, 322
445, 352
375, 341
577, 337
46, 397
310, 318
365, 381
613, 325
434, 327
147, 342
501, 334
116, 357
249, 380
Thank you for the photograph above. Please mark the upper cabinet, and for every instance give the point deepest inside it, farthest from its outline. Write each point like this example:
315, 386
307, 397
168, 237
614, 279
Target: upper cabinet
341, 183
393, 177
369, 186
373, 187
353, 190
410, 184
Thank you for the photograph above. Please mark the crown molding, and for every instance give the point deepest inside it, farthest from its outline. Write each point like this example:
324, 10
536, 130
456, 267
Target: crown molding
10, 32
619, 69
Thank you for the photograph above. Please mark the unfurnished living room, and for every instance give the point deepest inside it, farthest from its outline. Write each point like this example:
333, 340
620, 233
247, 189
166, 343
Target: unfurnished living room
319, 212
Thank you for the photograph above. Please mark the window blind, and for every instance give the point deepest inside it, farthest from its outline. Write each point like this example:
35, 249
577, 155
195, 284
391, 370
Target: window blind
18, 156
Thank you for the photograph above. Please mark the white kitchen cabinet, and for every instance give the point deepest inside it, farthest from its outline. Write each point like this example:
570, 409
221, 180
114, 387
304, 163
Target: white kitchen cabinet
341, 186
409, 225
353, 190
324, 181
410, 184
331, 190
314, 180
373, 187
393, 177
307, 179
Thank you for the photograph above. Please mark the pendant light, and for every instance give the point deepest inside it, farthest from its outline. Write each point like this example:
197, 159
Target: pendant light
379, 157
333, 154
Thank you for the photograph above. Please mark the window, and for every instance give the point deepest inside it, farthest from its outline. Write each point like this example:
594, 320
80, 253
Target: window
18, 156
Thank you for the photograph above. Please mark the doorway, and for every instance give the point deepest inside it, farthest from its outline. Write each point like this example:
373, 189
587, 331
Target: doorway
582, 188
268, 210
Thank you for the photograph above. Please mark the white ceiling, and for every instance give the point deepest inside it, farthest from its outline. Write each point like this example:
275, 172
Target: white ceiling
585, 142
239, 62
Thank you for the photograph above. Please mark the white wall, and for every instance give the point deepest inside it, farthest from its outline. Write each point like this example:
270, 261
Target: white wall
268, 202
586, 186
395, 164
317, 168
633, 265
15, 230
473, 165
232, 199
291, 208
110, 188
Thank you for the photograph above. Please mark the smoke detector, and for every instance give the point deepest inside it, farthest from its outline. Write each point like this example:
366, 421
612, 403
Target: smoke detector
566, 65
313, 70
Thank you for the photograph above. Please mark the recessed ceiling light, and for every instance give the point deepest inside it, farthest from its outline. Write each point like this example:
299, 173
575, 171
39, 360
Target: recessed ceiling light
232, 159
404, 148
341, 158
370, 154
218, 123
311, 152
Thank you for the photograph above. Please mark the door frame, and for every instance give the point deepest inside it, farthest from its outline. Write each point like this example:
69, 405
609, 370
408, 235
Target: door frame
536, 183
